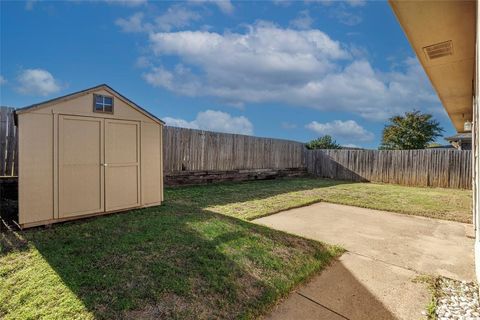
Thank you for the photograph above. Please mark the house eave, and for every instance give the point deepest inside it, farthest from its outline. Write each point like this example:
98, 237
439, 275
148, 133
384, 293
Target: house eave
427, 23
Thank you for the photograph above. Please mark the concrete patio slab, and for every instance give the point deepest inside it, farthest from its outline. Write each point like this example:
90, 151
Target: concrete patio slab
356, 287
427, 246
387, 252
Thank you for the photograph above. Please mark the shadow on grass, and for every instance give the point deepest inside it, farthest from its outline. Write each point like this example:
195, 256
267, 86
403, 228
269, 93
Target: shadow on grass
156, 263
173, 261
203, 196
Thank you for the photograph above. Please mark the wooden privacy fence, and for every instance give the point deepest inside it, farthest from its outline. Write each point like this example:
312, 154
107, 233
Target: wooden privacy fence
8, 143
430, 167
197, 150
187, 150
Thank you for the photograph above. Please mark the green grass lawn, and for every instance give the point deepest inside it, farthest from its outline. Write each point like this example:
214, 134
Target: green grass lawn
250, 200
177, 261
194, 256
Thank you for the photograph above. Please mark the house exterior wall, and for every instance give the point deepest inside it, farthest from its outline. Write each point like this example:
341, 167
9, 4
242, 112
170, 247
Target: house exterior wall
455, 75
39, 155
476, 150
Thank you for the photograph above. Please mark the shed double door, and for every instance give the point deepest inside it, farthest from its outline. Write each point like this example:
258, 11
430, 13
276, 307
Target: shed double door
98, 165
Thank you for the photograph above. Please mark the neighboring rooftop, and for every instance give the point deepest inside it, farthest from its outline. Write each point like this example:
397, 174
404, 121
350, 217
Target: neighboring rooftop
461, 141
464, 136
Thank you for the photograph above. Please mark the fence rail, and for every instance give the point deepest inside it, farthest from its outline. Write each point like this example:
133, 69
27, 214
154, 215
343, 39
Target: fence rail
8, 143
431, 167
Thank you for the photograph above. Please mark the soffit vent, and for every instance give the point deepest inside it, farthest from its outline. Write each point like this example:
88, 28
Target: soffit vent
439, 50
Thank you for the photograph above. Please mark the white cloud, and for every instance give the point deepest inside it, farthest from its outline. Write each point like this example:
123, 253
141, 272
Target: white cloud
297, 67
345, 16
132, 24
357, 3
37, 82
225, 6
176, 122
345, 12
127, 3
214, 121
344, 130
350, 145
143, 62
288, 125
282, 3
2, 80
263, 60
175, 17
352, 3
30, 4
302, 21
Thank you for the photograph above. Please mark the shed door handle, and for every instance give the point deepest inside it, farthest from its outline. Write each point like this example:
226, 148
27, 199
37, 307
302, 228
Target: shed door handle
105, 164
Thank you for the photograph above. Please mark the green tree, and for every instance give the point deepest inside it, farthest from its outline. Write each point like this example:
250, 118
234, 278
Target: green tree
325, 142
414, 130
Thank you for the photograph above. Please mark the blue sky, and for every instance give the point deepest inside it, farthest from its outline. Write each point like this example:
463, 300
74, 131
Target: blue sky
284, 69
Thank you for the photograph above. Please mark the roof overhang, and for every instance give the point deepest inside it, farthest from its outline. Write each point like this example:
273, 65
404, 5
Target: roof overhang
460, 137
451, 65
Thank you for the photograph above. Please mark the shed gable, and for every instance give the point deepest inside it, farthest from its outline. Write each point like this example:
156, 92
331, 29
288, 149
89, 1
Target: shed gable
82, 103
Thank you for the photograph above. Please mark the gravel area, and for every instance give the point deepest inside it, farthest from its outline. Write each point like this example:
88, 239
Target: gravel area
457, 300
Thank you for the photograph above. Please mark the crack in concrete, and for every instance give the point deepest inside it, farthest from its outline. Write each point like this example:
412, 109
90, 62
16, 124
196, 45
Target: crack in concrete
384, 262
321, 305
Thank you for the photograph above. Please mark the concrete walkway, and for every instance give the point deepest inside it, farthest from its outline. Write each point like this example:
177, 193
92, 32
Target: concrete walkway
386, 252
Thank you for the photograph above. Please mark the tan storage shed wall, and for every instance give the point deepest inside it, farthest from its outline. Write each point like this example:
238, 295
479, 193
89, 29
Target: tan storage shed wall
35, 185
39, 135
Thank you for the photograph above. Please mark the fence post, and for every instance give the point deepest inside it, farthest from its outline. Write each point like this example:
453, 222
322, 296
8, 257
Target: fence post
8, 142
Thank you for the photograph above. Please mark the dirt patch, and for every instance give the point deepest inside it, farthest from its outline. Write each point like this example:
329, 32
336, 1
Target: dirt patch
11, 240
172, 306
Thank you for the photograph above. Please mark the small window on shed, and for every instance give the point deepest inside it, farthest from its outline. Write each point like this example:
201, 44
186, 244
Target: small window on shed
102, 103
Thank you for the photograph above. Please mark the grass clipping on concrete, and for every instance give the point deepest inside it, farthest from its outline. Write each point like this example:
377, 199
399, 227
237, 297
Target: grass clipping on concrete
176, 261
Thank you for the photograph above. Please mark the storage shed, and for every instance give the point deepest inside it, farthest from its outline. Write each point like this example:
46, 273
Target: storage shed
87, 153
